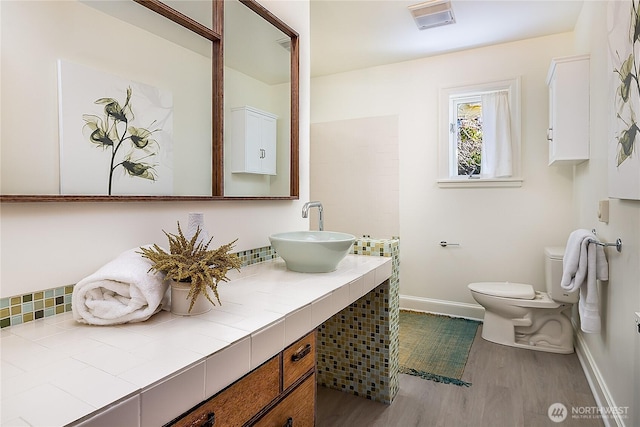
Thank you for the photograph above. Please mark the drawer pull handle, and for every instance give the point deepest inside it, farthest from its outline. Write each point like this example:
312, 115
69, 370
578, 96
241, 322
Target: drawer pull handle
301, 353
205, 420
289, 422
211, 420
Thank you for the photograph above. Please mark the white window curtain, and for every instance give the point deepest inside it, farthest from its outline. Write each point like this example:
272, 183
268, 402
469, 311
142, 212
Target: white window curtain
497, 156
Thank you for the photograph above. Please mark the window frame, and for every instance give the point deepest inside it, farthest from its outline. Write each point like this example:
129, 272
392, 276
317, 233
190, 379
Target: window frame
447, 157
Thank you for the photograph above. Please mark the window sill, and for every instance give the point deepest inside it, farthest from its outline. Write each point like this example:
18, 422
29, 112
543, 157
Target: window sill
480, 183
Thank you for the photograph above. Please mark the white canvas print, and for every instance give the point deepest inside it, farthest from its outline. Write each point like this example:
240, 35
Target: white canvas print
624, 54
115, 134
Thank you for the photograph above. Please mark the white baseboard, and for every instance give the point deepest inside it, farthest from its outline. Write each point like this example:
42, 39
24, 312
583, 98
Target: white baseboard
597, 384
449, 308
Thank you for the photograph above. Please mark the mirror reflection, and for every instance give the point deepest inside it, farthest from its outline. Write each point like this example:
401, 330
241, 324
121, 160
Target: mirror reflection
101, 52
257, 94
90, 61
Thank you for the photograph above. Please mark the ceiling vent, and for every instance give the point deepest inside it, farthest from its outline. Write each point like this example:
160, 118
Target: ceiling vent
432, 13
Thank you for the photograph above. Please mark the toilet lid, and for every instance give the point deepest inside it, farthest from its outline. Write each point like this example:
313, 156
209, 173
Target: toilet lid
504, 289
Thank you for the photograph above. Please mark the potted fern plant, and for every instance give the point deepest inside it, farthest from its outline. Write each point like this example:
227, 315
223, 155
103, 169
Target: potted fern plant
194, 270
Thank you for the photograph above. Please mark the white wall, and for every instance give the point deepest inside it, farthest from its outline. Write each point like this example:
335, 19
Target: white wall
46, 245
614, 354
360, 155
502, 231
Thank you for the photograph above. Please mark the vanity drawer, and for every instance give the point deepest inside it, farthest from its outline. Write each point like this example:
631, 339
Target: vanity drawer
297, 409
238, 403
298, 359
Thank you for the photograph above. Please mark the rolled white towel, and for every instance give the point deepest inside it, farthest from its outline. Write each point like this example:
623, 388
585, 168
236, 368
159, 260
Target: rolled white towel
121, 291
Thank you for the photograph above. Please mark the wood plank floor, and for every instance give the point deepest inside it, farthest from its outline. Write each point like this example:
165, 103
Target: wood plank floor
510, 387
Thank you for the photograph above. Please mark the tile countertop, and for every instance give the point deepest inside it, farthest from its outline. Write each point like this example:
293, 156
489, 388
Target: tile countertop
58, 372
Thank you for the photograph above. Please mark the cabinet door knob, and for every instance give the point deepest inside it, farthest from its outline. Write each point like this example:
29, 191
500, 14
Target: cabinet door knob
301, 353
289, 422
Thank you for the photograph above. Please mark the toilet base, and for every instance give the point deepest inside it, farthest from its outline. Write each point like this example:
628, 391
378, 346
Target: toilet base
551, 332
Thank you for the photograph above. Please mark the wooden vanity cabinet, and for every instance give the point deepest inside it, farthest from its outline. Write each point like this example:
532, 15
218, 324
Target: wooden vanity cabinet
296, 409
298, 359
281, 392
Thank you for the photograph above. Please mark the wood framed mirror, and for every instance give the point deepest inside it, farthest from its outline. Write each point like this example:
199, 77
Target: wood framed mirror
32, 161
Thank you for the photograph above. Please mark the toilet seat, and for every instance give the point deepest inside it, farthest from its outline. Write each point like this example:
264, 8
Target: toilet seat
504, 290
514, 294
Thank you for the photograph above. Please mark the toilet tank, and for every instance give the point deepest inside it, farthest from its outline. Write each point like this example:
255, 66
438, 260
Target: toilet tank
553, 276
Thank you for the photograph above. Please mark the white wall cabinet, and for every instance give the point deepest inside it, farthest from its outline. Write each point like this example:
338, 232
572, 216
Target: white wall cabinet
253, 141
568, 133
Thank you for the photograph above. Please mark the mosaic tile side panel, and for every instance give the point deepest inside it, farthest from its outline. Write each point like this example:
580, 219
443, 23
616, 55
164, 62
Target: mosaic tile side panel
358, 348
49, 302
377, 247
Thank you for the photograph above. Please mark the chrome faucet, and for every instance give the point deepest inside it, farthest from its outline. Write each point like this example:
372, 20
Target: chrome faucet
305, 212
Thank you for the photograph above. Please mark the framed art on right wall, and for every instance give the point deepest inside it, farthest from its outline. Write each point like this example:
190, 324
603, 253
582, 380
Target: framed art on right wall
624, 131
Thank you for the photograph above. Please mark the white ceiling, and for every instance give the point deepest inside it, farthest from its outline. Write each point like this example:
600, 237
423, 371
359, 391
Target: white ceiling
353, 34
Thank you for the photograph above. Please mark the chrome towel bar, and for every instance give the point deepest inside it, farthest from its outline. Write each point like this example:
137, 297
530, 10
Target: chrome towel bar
617, 244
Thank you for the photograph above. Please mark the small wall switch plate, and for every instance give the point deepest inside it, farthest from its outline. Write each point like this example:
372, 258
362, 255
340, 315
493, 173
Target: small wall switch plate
603, 211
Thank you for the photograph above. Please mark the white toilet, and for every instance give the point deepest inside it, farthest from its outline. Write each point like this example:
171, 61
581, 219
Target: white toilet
518, 316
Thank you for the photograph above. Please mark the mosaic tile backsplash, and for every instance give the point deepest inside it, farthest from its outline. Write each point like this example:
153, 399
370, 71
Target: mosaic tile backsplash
358, 348
49, 302
28, 307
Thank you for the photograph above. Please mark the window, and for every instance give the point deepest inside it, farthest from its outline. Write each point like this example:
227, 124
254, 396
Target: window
480, 135
465, 134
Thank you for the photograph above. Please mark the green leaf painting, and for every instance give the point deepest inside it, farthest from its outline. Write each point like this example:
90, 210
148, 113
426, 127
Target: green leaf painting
113, 134
116, 134
628, 86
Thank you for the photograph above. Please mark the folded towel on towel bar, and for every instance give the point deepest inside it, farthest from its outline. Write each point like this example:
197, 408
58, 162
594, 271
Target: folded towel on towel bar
583, 263
121, 291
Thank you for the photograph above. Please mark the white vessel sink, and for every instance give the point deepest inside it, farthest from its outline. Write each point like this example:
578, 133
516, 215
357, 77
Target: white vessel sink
312, 251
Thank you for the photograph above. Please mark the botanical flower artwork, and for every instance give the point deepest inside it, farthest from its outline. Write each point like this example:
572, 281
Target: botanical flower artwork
623, 26
115, 134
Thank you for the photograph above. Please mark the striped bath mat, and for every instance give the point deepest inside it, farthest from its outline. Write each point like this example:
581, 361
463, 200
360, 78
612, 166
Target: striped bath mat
435, 347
